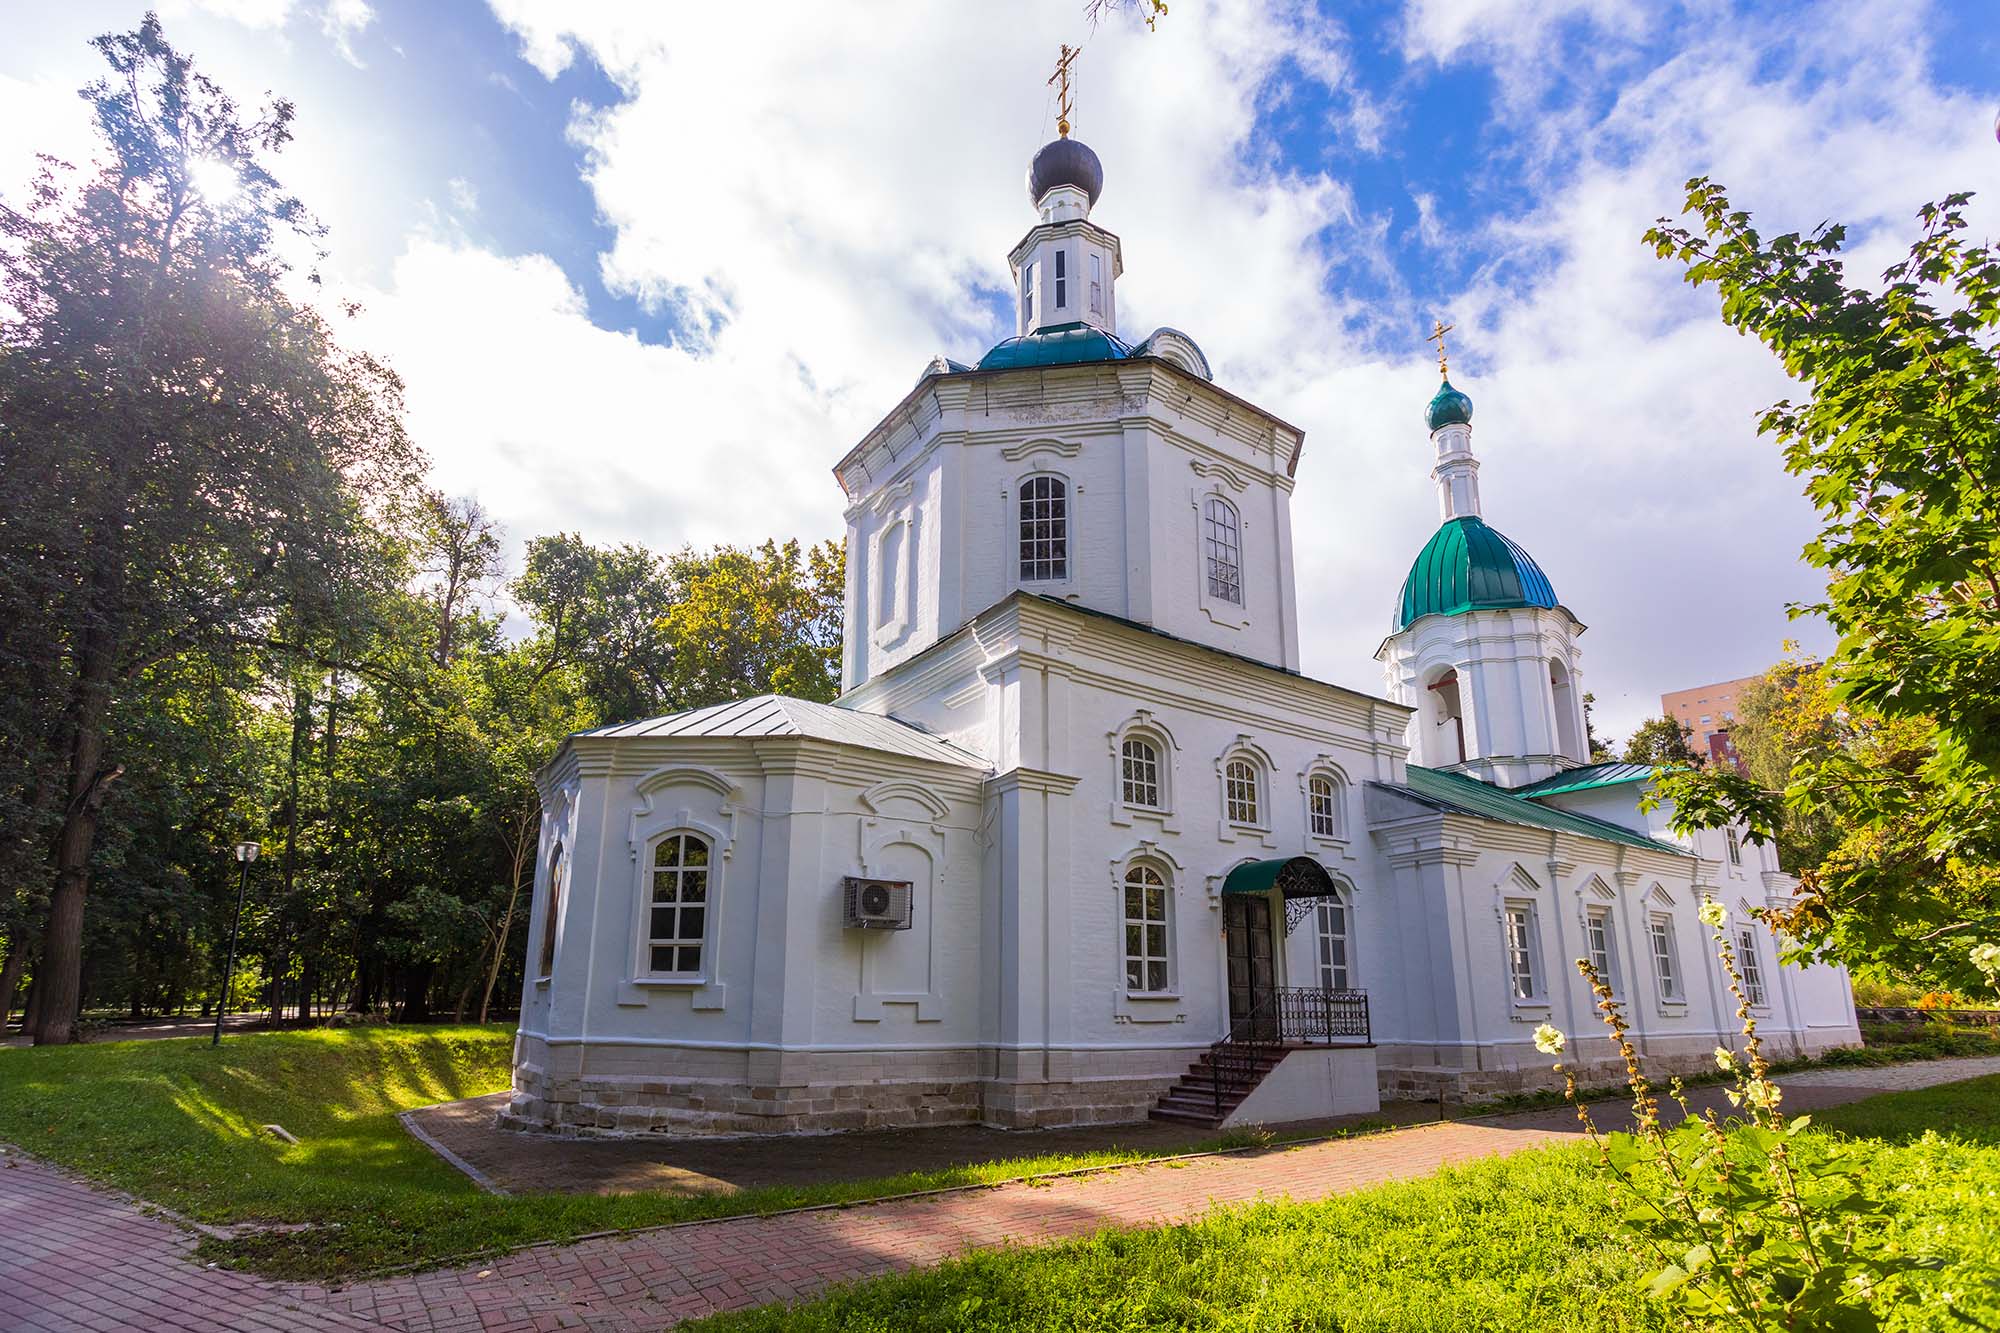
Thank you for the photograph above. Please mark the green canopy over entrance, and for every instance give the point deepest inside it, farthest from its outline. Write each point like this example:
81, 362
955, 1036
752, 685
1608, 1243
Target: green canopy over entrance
1292, 876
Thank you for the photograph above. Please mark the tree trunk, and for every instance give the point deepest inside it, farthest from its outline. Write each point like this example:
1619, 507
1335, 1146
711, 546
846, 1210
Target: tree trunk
10, 979
521, 861
61, 974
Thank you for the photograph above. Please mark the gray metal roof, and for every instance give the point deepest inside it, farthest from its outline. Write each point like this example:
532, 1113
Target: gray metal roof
780, 715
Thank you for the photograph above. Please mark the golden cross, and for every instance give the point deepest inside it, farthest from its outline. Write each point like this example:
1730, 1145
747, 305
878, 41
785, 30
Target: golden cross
1064, 104
1438, 329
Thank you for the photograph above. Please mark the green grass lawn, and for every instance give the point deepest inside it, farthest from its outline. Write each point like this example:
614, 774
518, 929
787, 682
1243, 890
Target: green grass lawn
1513, 1244
178, 1123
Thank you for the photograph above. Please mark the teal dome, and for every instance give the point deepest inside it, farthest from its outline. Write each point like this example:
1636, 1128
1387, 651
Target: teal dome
1448, 407
1058, 345
1467, 566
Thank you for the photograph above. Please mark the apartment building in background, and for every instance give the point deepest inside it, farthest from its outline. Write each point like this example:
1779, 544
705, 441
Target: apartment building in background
1709, 711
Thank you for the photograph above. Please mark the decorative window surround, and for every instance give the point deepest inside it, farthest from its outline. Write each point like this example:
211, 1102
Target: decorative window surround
929, 1004
1231, 613
717, 794
1231, 828
1013, 499
1165, 1006
1144, 726
1323, 769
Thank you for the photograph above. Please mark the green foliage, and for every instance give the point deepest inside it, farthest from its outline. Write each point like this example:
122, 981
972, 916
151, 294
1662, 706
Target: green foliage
177, 1123
1520, 1243
1748, 1226
1661, 740
1895, 439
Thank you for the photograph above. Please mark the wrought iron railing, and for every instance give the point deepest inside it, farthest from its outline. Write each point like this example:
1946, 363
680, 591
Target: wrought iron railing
1288, 1014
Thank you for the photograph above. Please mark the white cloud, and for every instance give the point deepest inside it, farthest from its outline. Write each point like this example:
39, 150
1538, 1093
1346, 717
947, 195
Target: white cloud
344, 20
464, 196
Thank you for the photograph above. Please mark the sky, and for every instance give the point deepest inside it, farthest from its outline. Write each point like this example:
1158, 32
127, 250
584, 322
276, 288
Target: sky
649, 270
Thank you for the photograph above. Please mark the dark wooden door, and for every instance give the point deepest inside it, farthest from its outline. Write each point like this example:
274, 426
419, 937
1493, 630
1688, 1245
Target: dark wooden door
1246, 930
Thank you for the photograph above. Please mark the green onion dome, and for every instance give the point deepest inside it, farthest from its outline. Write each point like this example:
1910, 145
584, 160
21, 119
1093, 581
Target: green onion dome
1449, 407
1467, 566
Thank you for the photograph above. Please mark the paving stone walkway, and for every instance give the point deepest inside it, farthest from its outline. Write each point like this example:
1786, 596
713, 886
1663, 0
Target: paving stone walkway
74, 1257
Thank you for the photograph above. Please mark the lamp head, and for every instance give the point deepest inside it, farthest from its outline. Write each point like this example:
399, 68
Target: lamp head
246, 851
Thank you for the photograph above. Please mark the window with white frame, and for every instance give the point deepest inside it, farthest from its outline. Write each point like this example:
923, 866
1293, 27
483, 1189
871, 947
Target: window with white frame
1027, 297
1601, 943
1330, 943
1666, 956
1748, 964
676, 919
1044, 529
1735, 846
1222, 538
1524, 963
1323, 806
1242, 801
1139, 773
1147, 957
552, 911
1062, 279
1097, 284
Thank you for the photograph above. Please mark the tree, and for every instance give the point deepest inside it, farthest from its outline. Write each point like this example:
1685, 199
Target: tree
1661, 741
1895, 437
1600, 749
755, 622
1788, 714
192, 454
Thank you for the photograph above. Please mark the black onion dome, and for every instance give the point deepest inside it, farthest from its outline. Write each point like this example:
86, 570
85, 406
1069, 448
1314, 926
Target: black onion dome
1065, 162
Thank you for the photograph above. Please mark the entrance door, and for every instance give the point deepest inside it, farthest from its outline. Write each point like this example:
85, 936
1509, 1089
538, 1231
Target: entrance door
1246, 929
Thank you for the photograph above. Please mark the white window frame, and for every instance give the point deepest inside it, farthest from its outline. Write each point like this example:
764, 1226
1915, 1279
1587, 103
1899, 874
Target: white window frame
1096, 283
1147, 958
1600, 945
1668, 982
1331, 975
1750, 965
545, 957
1130, 787
1333, 829
1060, 277
1064, 542
1222, 550
1733, 841
1520, 929
1028, 297
701, 943
1236, 810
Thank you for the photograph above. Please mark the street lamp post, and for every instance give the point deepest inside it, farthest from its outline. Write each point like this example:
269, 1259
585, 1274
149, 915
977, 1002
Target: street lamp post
246, 852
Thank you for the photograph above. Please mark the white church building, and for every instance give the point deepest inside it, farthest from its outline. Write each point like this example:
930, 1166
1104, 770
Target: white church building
1078, 842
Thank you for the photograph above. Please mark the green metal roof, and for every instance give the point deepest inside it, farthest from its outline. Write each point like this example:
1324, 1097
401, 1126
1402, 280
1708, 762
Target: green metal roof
1582, 779
1482, 800
1057, 345
1447, 406
1467, 566
1296, 876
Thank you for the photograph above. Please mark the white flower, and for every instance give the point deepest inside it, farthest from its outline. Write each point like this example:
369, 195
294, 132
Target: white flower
1986, 957
1549, 1040
1713, 913
1762, 1094
1725, 1059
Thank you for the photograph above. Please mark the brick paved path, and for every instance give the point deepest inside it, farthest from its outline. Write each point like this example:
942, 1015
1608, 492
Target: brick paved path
72, 1257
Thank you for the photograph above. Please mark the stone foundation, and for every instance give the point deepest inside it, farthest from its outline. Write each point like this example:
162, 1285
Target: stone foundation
616, 1091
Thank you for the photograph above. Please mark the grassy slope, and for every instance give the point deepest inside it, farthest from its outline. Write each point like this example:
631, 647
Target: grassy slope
1517, 1243
177, 1123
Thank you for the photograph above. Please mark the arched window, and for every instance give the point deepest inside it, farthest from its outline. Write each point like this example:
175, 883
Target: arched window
1330, 928
677, 919
1222, 540
1324, 807
1044, 529
1445, 712
552, 911
889, 573
1563, 694
1242, 801
1147, 957
1139, 773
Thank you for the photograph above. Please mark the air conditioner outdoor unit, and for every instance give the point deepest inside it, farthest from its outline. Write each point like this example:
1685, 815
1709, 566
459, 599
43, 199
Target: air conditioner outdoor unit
876, 904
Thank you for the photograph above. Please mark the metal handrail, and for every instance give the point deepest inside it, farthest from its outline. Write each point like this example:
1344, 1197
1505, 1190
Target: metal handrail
1287, 1014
